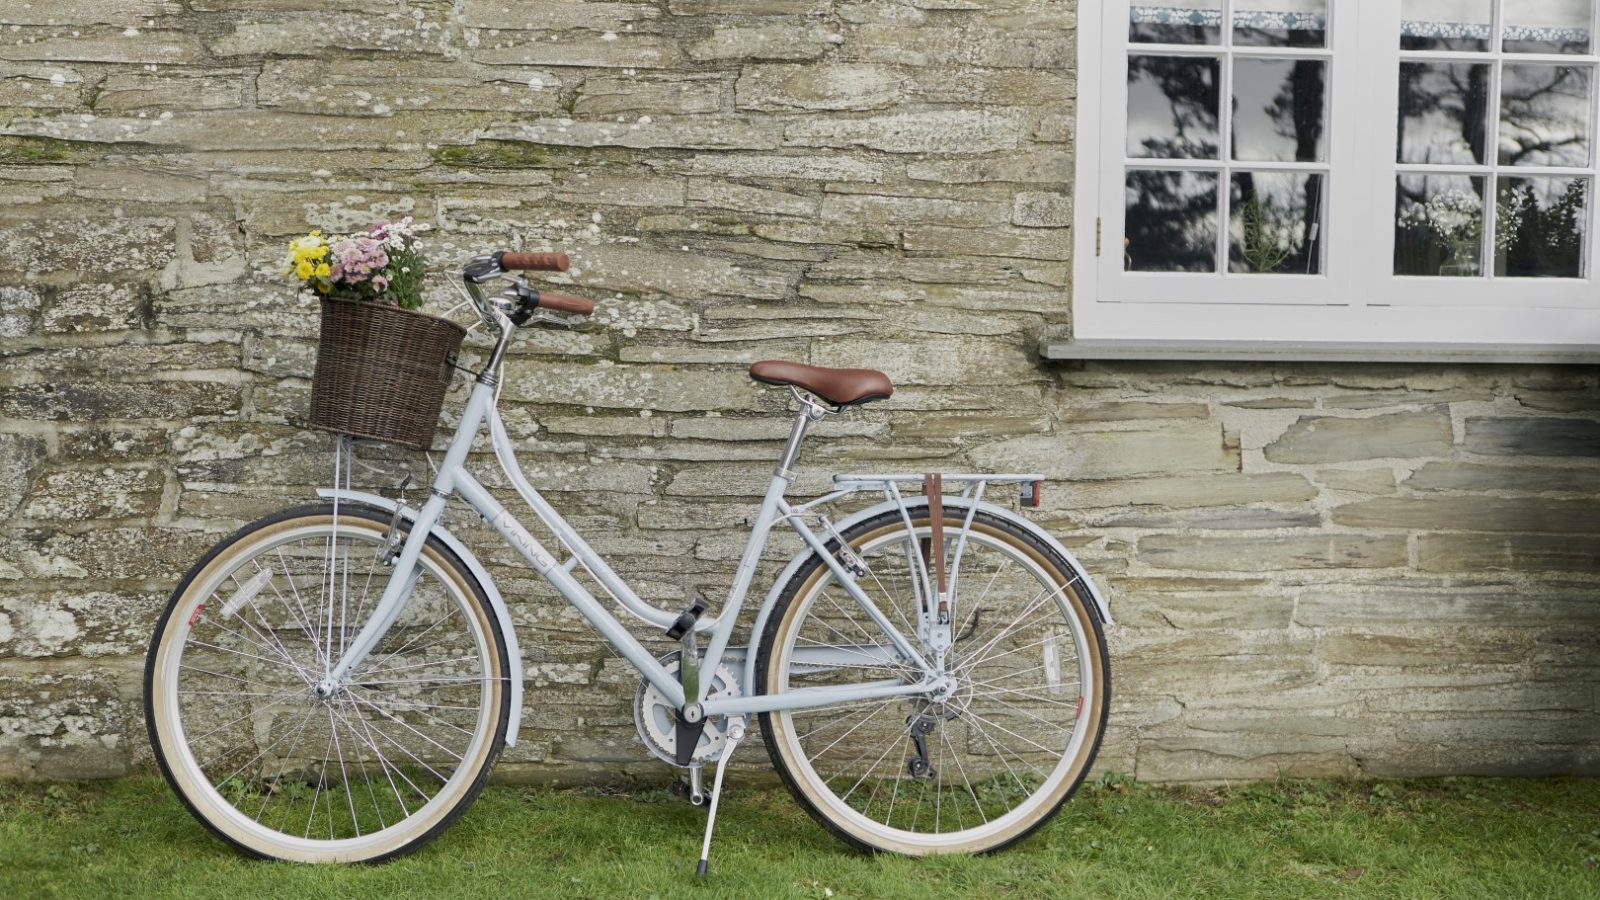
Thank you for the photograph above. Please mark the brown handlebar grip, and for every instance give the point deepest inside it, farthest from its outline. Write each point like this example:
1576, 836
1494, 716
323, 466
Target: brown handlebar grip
538, 262
566, 304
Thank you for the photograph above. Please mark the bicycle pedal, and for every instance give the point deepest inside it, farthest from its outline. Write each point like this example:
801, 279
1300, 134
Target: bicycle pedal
687, 618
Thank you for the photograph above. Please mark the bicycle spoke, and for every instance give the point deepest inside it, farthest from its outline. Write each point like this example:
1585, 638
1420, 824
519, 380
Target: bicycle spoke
368, 757
987, 733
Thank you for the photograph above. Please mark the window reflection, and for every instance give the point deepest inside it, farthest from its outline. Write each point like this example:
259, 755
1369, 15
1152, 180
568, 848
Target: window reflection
1547, 26
1280, 23
1171, 221
1544, 115
1278, 109
1444, 111
1172, 107
1176, 22
1446, 24
1539, 227
1275, 223
1438, 225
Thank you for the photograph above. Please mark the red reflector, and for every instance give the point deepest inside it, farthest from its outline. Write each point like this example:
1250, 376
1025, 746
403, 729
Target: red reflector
195, 616
1030, 493
1079, 713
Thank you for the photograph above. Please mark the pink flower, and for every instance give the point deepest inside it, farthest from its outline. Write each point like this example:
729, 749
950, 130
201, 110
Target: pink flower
380, 284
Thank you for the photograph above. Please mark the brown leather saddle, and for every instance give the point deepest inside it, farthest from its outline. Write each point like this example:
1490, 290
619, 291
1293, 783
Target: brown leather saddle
841, 387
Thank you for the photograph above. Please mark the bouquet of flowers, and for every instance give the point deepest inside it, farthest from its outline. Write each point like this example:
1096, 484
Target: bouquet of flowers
384, 264
382, 364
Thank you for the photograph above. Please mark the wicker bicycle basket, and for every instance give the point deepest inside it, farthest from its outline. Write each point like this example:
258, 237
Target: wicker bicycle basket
382, 372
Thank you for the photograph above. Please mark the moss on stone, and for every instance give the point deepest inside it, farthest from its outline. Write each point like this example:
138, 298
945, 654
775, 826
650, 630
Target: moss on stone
525, 155
36, 150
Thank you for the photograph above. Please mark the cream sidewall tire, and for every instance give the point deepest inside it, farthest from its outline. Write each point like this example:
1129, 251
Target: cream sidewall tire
1013, 826
178, 764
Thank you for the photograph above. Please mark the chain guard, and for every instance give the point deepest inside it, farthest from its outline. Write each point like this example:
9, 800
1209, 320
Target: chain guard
657, 719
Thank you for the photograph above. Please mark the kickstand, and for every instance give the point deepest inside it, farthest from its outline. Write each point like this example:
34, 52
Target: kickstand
735, 735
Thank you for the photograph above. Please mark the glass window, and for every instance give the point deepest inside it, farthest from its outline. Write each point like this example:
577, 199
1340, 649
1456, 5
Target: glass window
1539, 114
1176, 22
1339, 170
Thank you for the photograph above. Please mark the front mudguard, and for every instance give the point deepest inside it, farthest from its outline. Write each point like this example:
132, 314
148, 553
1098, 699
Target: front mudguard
496, 602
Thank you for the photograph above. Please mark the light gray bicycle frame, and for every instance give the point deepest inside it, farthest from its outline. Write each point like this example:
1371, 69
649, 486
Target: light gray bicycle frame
454, 479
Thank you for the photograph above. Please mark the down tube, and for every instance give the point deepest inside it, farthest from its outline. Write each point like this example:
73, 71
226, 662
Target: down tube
562, 580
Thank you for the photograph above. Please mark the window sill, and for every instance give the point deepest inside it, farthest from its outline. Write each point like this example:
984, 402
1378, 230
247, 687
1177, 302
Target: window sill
1289, 351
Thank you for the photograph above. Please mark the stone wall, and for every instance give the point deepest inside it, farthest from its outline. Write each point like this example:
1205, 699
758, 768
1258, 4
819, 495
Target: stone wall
1317, 569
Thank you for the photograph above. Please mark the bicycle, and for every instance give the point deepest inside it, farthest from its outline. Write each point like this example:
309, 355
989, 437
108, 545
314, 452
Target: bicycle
905, 712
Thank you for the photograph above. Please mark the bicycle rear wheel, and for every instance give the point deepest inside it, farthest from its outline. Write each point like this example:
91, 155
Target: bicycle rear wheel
374, 771
999, 756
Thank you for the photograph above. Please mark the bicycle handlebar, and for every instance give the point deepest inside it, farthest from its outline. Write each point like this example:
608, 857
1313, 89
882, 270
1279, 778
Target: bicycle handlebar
533, 262
565, 303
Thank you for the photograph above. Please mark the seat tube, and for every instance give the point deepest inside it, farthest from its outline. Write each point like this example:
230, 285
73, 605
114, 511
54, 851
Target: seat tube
752, 549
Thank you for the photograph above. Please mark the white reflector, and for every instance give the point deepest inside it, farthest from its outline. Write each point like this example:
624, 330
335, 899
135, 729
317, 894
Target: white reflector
247, 592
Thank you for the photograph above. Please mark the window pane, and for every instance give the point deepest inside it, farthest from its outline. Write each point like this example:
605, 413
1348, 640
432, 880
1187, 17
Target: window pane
1438, 225
1446, 24
1172, 222
1275, 223
1547, 26
1544, 115
1280, 23
1279, 110
1444, 111
1172, 106
1539, 227
1177, 22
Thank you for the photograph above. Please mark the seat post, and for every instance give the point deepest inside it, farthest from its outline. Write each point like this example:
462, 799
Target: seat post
810, 411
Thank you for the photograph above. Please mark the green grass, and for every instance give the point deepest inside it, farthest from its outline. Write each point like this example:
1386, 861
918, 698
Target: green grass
1489, 838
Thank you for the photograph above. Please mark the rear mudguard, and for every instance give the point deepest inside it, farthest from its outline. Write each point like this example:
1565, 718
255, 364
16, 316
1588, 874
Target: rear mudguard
496, 602
1101, 607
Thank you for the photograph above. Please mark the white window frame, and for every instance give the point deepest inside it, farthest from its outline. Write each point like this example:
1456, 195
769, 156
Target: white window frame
1358, 299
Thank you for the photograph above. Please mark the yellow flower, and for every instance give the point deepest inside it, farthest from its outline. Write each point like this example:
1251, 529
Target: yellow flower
304, 269
324, 270
316, 232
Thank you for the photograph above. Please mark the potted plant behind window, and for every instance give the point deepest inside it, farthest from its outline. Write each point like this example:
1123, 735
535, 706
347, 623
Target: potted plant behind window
382, 367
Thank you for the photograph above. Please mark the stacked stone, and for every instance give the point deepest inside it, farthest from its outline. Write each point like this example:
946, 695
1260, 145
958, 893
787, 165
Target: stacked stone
1317, 568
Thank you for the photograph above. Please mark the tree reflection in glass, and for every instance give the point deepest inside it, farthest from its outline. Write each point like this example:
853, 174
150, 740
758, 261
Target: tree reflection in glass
1544, 115
1279, 109
1438, 225
1539, 227
1172, 107
1274, 223
1444, 112
1171, 223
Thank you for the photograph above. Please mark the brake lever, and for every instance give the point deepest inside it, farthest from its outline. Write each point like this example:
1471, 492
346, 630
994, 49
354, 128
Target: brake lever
480, 269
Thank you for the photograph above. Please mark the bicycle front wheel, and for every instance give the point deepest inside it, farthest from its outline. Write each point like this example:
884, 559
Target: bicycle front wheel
373, 771
981, 767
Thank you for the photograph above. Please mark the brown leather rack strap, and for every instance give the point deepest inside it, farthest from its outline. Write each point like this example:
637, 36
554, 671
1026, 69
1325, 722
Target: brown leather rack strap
566, 304
933, 486
535, 262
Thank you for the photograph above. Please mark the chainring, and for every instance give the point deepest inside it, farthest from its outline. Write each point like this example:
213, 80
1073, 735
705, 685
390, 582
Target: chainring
656, 718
